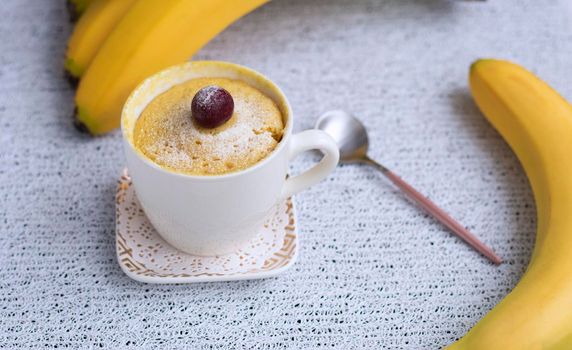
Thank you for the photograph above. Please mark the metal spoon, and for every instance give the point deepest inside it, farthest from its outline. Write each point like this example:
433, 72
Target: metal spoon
351, 136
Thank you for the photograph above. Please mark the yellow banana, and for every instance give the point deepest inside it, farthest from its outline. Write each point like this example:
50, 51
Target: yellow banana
151, 36
77, 7
537, 124
91, 31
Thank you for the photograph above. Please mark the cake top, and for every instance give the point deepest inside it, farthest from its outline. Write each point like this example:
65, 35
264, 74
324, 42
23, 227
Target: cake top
166, 133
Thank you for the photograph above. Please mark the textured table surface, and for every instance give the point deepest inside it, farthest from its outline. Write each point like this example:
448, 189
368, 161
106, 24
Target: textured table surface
373, 271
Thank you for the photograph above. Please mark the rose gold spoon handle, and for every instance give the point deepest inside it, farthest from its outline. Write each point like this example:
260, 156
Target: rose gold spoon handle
351, 137
438, 213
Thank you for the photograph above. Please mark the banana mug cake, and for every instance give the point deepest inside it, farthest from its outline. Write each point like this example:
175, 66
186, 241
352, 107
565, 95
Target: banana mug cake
209, 126
208, 146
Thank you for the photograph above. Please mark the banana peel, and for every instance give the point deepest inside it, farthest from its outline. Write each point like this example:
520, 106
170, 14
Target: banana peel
152, 35
537, 124
91, 31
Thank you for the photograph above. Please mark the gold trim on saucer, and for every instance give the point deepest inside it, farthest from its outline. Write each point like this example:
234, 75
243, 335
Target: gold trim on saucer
280, 259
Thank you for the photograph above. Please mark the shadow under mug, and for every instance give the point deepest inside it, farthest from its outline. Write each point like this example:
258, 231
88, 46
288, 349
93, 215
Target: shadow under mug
214, 215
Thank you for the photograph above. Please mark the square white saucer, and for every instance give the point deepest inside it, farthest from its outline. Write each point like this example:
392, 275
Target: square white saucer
144, 256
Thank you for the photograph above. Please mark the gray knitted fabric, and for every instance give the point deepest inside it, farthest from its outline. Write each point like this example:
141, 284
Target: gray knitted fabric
373, 270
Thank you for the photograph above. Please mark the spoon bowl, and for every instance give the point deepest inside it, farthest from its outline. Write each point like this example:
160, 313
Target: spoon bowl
348, 132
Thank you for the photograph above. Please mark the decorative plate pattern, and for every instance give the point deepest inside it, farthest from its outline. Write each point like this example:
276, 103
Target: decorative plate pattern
144, 256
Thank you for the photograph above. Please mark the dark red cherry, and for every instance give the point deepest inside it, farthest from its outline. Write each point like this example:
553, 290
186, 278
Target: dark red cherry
212, 106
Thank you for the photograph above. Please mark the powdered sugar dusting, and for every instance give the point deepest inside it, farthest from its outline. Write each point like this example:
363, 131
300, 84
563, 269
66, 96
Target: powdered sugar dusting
167, 135
210, 92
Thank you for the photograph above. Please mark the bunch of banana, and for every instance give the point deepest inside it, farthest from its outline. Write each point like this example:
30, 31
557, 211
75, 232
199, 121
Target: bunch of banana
116, 46
537, 124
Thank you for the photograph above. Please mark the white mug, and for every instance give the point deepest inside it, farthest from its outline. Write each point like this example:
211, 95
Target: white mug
214, 215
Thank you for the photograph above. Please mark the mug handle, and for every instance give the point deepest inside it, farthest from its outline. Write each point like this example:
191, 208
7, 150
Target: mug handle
305, 141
